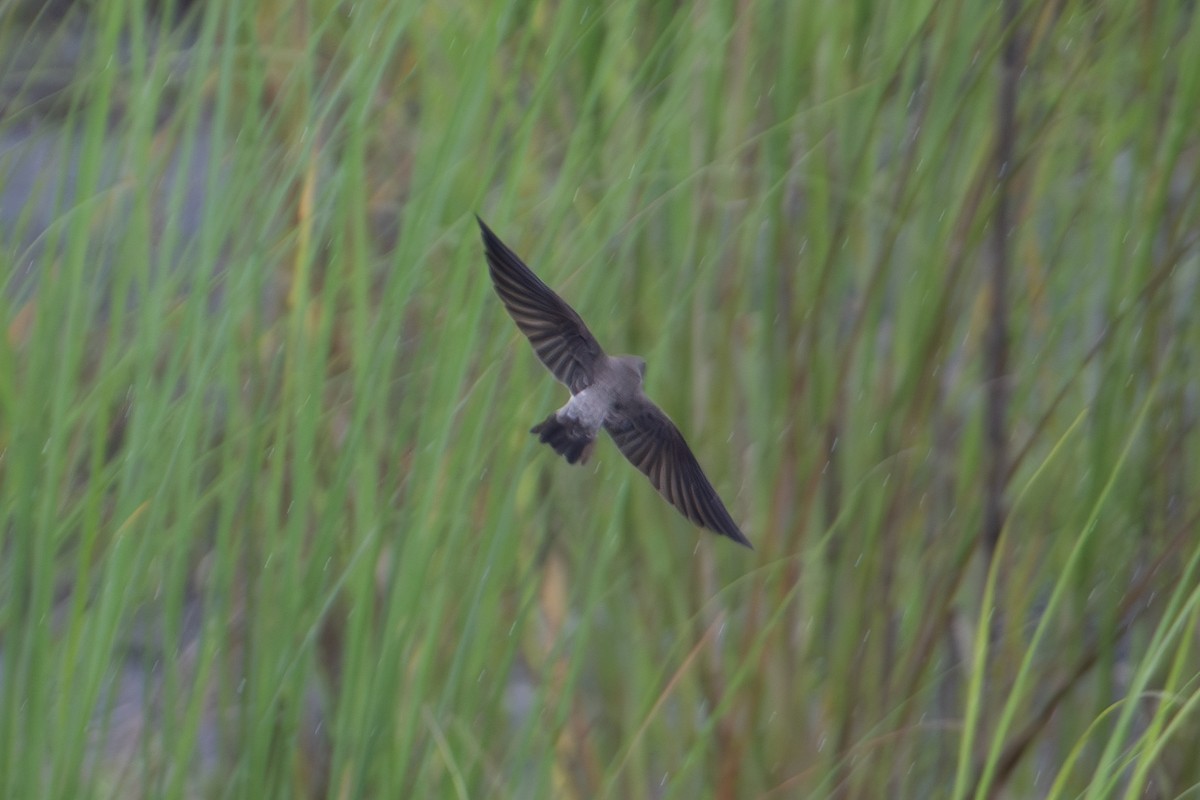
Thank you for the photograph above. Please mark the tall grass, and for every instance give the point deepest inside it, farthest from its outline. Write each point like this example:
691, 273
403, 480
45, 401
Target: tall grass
272, 522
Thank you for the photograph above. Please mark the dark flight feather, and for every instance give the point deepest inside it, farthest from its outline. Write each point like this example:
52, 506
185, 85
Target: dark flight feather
650, 440
559, 337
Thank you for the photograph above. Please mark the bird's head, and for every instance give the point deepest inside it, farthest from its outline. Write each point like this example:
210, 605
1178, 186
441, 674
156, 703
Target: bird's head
634, 364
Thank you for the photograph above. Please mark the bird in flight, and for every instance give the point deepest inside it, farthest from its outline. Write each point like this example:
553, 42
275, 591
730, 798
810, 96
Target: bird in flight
606, 392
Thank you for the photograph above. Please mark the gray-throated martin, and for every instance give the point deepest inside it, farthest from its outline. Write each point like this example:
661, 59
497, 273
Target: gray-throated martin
606, 392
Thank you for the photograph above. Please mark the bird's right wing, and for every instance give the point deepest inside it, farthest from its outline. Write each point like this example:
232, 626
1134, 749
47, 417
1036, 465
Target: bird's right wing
649, 439
557, 333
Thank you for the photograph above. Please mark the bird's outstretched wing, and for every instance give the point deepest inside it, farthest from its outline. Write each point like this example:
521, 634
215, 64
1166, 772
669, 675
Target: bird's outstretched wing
557, 333
646, 436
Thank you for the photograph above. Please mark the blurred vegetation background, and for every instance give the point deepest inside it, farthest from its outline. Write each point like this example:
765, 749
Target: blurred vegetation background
272, 523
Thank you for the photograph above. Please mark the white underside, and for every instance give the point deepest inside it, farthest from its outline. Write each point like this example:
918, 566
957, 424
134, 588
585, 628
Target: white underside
587, 409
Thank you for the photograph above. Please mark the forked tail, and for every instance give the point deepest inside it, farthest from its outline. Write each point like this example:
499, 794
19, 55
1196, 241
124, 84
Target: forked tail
570, 439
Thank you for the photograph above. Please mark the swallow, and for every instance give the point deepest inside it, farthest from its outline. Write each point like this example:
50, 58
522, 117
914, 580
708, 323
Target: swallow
606, 392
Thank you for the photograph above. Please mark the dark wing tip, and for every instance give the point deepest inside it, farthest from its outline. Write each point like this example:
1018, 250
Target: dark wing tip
716, 517
503, 260
490, 239
733, 532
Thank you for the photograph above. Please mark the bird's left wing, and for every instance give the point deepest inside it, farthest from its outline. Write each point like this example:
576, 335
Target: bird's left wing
649, 439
